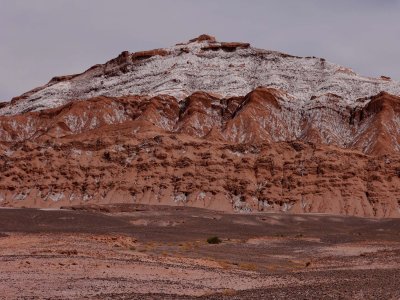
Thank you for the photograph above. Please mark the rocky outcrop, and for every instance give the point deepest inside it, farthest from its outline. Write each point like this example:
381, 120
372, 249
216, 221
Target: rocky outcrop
226, 46
148, 54
204, 38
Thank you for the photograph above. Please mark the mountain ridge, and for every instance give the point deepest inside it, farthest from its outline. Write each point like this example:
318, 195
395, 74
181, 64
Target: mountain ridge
203, 64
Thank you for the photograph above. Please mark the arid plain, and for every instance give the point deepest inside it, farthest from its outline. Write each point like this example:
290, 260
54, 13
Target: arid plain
158, 252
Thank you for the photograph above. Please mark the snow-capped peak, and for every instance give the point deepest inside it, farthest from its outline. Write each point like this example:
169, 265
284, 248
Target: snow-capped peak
204, 64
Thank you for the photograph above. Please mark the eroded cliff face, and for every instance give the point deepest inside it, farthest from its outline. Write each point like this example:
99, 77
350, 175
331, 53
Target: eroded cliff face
207, 124
258, 117
229, 154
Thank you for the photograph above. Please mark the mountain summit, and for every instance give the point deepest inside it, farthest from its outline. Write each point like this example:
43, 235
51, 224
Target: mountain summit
204, 64
213, 124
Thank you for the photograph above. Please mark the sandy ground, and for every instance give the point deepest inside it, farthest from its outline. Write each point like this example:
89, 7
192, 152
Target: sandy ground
155, 252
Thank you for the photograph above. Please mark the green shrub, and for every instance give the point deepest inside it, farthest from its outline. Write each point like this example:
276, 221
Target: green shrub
214, 240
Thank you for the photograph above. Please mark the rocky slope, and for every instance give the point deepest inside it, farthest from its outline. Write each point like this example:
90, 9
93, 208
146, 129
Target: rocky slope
189, 125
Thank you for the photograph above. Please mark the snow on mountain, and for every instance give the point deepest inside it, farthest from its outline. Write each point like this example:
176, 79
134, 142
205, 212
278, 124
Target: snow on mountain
203, 64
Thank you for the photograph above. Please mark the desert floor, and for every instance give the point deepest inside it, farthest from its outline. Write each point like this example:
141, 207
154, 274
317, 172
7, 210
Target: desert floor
158, 252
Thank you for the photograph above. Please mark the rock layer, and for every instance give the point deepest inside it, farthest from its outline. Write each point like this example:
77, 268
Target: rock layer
259, 117
204, 152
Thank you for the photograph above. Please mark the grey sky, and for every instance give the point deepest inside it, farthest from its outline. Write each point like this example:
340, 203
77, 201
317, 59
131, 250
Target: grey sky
43, 38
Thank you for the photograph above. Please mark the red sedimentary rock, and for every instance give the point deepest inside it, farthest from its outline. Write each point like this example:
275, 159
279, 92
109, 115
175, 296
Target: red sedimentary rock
292, 145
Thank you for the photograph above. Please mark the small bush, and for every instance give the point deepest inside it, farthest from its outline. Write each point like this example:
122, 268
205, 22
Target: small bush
107, 156
214, 240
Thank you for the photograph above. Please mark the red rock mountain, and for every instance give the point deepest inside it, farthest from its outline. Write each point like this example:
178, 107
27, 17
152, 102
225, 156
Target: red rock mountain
208, 124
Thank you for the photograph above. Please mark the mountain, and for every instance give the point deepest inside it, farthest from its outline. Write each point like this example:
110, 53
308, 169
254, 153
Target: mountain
209, 124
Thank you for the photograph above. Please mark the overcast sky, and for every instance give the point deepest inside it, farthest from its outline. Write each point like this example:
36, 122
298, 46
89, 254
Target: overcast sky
43, 38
